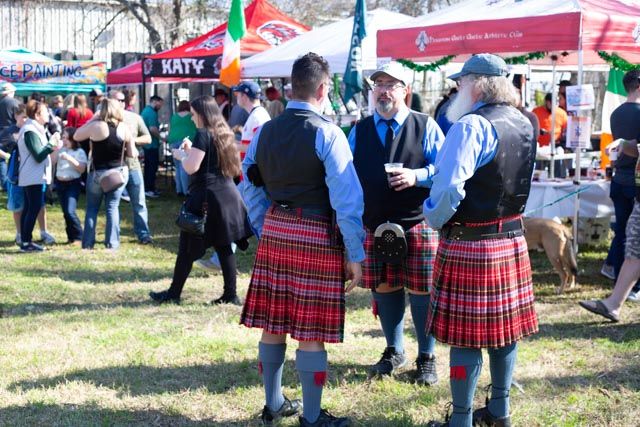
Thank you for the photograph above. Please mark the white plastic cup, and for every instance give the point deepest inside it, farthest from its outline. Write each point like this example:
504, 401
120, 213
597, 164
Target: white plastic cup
389, 168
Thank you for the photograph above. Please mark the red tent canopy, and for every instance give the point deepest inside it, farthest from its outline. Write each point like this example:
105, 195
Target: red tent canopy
200, 57
517, 26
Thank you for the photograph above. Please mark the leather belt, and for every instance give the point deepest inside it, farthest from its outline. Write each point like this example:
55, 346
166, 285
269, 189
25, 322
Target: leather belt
509, 229
309, 212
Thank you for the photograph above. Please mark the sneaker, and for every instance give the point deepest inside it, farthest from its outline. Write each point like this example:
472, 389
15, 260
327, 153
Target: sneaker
18, 239
389, 362
227, 300
426, 369
207, 264
151, 194
634, 296
31, 247
608, 271
47, 238
288, 409
163, 297
125, 198
325, 419
146, 240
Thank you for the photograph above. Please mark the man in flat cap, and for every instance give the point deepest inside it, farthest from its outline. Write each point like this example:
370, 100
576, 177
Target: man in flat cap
483, 294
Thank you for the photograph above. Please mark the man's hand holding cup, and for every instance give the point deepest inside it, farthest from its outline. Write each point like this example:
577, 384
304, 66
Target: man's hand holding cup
399, 177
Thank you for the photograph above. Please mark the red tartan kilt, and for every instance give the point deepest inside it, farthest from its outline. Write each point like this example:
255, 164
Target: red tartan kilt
415, 274
483, 293
297, 284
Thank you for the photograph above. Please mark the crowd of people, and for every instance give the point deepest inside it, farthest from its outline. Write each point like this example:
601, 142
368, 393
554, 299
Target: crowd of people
404, 204
63, 149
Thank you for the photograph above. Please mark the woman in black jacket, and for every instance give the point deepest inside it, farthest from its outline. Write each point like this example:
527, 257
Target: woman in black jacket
212, 161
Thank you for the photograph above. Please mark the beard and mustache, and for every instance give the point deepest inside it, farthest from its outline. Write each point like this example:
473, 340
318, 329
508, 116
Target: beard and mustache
384, 104
461, 104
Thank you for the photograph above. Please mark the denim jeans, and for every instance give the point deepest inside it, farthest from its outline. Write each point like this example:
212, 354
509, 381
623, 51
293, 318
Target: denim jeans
3, 174
151, 163
94, 200
68, 193
623, 197
182, 179
33, 202
135, 188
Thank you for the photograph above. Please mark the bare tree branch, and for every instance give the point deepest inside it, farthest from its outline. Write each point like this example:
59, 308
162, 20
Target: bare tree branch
140, 11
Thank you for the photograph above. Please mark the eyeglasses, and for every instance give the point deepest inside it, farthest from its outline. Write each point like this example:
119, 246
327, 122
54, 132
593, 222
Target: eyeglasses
387, 86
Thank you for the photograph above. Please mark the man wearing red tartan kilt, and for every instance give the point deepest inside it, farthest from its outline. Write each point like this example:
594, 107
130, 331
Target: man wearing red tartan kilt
483, 294
301, 191
411, 140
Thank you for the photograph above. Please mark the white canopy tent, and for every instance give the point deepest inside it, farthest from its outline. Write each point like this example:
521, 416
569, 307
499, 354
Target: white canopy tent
331, 41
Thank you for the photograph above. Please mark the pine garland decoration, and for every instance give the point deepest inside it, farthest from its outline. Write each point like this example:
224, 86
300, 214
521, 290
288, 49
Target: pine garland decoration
617, 62
523, 59
427, 67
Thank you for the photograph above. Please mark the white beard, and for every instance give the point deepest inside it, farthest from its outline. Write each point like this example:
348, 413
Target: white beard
461, 104
384, 106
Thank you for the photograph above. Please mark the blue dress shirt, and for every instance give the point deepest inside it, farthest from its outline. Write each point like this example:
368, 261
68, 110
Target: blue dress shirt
433, 140
471, 143
345, 192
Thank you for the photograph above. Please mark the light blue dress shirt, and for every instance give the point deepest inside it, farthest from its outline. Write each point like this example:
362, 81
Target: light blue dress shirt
433, 140
471, 143
345, 192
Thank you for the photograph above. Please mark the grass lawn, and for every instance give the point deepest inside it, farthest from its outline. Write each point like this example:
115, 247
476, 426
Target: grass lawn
82, 345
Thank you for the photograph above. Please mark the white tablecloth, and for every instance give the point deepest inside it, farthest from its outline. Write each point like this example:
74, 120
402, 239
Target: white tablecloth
594, 202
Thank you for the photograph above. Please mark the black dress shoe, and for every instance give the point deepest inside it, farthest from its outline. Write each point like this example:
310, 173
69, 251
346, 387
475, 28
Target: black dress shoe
227, 300
288, 409
163, 297
483, 418
325, 419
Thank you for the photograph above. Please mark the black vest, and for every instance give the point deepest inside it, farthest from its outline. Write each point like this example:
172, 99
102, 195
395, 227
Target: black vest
286, 157
382, 204
501, 187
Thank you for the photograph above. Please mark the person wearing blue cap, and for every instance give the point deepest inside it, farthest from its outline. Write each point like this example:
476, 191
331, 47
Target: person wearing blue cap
483, 293
248, 95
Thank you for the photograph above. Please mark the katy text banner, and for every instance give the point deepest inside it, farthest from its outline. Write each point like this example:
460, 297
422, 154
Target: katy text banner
67, 72
204, 67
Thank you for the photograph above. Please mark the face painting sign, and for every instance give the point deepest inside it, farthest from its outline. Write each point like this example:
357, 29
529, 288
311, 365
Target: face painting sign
62, 72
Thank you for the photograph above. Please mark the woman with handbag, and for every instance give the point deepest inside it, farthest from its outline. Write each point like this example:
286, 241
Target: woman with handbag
212, 161
110, 140
35, 168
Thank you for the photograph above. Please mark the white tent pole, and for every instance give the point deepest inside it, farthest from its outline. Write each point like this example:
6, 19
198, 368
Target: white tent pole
578, 167
554, 101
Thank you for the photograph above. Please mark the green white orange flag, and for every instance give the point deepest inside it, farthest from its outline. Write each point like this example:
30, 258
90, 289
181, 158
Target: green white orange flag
236, 29
613, 97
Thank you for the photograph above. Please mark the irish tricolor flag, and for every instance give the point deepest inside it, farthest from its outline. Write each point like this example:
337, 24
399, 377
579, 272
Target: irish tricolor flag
236, 28
613, 97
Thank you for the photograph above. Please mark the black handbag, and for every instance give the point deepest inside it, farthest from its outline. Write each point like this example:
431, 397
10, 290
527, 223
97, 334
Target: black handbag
190, 222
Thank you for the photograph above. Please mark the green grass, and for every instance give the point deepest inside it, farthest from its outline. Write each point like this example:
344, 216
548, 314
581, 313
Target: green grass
83, 346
